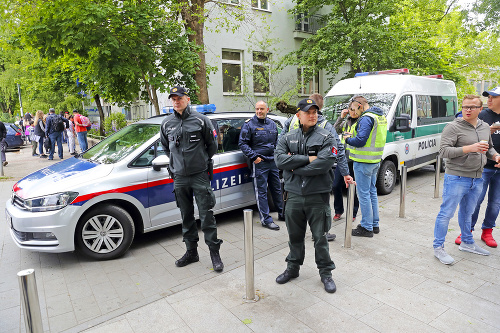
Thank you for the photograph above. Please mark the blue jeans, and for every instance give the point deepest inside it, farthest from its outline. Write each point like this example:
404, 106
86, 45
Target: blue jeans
457, 190
366, 178
491, 178
40, 145
82, 140
55, 137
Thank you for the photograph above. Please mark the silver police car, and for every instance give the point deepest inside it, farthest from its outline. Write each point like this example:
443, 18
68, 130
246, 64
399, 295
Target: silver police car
98, 201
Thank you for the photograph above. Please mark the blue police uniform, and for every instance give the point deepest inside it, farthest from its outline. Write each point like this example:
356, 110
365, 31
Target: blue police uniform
258, 138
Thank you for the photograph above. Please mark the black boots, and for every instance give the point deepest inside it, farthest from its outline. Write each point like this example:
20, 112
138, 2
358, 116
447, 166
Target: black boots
216, 260
189, 257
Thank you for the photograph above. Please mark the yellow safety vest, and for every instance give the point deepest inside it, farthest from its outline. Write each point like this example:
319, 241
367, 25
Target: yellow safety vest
350, 129
372, 151
295, 123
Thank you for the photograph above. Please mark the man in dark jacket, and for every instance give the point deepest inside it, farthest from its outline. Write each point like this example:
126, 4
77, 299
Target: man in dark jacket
190, 141
306, 155
3, 143
257, 141
491, 175
54, 129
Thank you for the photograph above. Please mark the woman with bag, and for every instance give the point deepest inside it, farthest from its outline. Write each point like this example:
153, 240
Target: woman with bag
40, 131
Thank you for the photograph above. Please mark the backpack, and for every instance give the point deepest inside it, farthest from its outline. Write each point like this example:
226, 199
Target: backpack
57, 124
84, 121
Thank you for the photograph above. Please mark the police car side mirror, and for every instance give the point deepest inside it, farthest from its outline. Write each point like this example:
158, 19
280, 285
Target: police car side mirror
160, 162
401, 123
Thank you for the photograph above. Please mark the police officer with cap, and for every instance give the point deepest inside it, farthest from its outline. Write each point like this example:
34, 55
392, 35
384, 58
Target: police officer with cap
190, 141
257, 141
306, 155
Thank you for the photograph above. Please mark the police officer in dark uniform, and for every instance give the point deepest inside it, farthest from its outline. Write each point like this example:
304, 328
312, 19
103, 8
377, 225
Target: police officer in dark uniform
258, 139
306, 155
190, 141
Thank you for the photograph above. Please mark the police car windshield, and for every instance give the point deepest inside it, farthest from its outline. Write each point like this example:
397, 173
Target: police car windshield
121, 144
335, 104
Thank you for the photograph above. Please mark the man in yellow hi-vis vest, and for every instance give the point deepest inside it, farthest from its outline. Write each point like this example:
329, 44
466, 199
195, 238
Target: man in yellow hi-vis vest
366, 145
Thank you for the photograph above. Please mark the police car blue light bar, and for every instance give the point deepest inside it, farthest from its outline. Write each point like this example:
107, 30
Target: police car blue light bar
389, 71
203, 108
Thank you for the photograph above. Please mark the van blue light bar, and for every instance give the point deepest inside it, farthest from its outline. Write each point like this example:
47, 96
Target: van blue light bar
390, 71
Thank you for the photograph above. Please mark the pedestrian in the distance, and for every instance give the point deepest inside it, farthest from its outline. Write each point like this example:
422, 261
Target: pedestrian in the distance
3, 143
40, 131
54, 129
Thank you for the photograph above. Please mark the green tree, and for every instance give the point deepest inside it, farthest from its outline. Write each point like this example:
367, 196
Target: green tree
114, 48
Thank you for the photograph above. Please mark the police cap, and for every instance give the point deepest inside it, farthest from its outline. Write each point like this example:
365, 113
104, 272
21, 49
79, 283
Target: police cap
306, 104
179, 91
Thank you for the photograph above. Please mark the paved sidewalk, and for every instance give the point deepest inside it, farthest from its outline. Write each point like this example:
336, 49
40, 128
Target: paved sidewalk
389, 283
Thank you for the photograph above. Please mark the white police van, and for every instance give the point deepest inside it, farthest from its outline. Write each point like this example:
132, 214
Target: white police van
417, 109
96, 202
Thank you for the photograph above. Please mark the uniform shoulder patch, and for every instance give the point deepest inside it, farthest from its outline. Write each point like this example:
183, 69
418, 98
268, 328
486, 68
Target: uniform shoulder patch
334, 151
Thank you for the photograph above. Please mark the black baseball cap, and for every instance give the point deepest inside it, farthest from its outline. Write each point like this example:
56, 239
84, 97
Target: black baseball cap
179, 91
492, 92
306, 104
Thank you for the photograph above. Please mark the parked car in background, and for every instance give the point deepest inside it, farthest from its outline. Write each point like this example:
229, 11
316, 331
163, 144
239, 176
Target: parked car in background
15, 137
96, 202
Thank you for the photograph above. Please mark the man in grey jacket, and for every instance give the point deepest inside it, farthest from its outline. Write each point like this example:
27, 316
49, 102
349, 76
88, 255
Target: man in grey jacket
466, 144
306, 155
189, 139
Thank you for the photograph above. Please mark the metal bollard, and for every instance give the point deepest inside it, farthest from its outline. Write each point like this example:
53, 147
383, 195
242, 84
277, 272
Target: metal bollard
350, 208
250, 295
29, 299
1, 168
402, 193
437, 176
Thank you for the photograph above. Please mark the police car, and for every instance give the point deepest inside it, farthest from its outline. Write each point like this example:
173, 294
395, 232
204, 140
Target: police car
98, 201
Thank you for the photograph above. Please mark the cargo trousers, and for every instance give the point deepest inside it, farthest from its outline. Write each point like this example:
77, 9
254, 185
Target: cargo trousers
315, 210
199, 185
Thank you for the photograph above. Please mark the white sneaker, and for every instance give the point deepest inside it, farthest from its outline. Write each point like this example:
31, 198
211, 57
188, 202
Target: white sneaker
444, 257
473, 248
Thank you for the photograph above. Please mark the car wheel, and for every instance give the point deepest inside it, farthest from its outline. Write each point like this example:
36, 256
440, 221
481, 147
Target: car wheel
105, 233
386, 179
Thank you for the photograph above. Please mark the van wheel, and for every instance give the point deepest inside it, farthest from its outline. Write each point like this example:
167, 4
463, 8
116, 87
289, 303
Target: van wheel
386, 179
105, 233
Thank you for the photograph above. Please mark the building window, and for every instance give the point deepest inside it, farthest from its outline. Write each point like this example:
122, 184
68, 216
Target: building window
260, 4
261, 72
231, 71
232, 2
308, 86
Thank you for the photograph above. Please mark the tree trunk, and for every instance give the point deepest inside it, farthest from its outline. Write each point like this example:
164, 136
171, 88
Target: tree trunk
193, 17
154, 100
101, 114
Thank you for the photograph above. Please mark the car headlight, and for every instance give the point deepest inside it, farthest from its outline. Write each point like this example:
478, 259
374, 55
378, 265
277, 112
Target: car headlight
50, 202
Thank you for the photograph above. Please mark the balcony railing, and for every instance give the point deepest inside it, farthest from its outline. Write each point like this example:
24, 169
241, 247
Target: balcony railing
308, 24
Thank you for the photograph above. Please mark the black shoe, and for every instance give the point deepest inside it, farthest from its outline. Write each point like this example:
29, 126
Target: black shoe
72, 153
286, 276
330, 237
281, 217
272, 226
189, 257
35, 154
43, 156
376, 230
362, 232
216, 260
330, 286
5, 163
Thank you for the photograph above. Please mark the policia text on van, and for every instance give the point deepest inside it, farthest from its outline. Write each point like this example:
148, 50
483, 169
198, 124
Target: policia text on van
417, 109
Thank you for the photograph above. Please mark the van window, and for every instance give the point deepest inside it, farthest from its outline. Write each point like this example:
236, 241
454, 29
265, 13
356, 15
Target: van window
435, 109
335, 104
405, 106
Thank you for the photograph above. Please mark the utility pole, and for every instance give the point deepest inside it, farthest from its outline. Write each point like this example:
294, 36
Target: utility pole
20, 100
